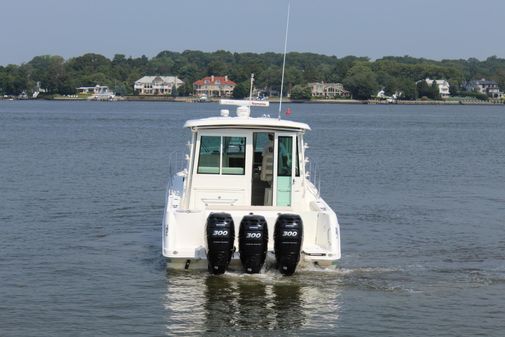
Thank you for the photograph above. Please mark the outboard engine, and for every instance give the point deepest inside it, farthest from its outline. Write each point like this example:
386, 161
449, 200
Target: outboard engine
288, 237
220, 238
253, 242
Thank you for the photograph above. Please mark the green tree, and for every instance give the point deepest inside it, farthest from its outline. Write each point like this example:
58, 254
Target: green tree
388, 82
241, 90
186, 89
407, 88
300, 92
428, 91
161, 65
454, 88
342, 66
269, 78
292, 77
361, 81
360, 75
90, 63
50, 72
18, 79
217, 67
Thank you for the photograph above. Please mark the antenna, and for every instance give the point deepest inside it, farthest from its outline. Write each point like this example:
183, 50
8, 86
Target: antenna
284, 59
243, 107
251, 90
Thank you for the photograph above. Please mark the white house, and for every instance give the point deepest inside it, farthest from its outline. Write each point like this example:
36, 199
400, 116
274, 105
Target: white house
483, 86
156, 85
328, 90
443, 87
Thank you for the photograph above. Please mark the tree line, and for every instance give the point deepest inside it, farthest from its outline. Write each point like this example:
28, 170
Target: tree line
360, 75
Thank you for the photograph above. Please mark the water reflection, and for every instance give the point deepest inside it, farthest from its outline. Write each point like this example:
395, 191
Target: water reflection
252, 303
288, 305
264, 304
183, 303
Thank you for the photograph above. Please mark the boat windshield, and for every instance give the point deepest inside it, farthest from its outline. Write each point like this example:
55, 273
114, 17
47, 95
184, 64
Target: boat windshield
222, 155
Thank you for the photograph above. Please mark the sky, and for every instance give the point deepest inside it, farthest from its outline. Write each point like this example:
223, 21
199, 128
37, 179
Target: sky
434, 29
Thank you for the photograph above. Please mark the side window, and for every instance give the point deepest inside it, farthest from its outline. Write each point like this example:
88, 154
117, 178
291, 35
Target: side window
234, 155
222, 155
297, 163
210, 151
284, 159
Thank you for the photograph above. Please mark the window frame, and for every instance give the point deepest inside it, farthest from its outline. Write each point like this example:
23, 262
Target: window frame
221, 170
199, 167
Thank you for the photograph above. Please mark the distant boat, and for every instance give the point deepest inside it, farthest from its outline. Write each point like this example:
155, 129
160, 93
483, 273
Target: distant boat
203, 98
105, 95
98, 93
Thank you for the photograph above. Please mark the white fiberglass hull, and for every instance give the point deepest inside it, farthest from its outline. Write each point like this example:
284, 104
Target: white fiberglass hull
184, 235
244, 187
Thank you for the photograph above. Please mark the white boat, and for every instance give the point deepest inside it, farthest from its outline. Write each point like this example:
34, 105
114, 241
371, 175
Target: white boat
244, 199
99, 93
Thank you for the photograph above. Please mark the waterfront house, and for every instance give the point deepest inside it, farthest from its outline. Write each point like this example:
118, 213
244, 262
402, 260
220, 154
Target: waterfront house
483, 86
328, 90
214, 86
156, 85
443, 86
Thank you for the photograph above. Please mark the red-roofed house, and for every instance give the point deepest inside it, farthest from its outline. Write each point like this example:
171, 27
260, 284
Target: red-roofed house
214, 86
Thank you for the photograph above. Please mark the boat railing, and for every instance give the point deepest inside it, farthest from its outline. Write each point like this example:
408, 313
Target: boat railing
314, 176
177, 163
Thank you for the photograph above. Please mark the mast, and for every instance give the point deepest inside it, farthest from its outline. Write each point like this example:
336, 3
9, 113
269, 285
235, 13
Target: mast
284, 59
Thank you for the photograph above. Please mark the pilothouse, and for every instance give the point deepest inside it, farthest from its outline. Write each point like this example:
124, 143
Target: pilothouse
245, 199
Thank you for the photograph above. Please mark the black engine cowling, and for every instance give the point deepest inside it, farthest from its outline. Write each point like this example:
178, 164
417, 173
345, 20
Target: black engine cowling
220, 239
288, 237
253, 242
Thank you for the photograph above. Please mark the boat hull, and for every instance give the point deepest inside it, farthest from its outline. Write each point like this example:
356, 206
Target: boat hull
184, 241
201, 264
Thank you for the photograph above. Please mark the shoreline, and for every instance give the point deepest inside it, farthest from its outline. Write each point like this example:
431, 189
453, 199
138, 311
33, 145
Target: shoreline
273, 100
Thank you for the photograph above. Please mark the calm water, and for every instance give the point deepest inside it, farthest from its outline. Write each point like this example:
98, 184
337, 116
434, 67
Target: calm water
419, 192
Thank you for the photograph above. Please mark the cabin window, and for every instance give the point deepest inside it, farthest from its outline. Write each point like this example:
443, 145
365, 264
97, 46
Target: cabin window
210, 150
297, 163
285, 160
284, 170
222, 155
233, 155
